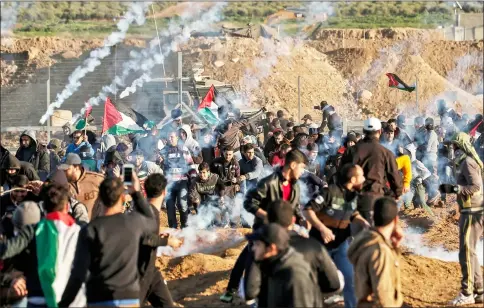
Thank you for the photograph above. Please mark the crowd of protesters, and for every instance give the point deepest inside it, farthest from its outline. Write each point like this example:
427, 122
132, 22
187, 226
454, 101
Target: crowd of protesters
325, 207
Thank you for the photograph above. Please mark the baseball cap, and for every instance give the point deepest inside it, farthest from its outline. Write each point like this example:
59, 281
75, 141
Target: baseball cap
385, 210
372, 124
27, 213
271, 234
307, 117
71, 159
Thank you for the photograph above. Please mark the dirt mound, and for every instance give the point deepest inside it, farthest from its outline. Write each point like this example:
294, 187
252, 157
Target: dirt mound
198, 280
428, 282
39, 51
376, 34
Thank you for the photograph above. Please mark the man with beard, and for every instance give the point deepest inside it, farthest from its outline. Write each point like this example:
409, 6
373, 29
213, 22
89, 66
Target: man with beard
250, 167
83, 185
192, 145
283, 183
228, 170
11, 200
274, 143
29, 151
176, 162
331, 213
12, 167
207, 189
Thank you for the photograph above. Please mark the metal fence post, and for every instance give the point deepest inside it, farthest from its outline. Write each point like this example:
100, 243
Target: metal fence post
299, 98
48, 103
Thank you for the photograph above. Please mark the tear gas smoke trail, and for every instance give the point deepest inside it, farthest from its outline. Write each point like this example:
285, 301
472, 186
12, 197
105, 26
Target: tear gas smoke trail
207, 18
464, 64
413, 240
9, 19
146, 59
135, 13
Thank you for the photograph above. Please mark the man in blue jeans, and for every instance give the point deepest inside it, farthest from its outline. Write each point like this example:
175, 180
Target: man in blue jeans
331, 213
176, 162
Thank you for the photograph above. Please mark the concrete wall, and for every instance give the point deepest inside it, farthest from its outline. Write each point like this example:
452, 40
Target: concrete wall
471, 20
463, 34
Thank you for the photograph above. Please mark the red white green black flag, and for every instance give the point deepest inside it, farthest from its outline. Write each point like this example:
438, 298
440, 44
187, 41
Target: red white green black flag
396, 82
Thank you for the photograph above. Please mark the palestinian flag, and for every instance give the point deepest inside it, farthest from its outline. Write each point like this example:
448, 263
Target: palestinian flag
396, 82
118, 123
56, 241
83, 122
204, 107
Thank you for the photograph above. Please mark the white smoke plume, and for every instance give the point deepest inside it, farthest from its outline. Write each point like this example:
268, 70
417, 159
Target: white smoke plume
9, 16
137, 83
465, 63
413, 240
208, 18
136, 13
177, 33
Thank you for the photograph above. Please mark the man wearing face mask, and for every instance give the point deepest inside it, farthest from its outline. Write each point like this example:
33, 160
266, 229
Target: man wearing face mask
176, 164
469, 192
207, 189
330, 213
12, 167
30, 151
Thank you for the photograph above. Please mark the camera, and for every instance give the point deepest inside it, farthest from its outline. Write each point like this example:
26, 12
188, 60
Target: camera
321, 105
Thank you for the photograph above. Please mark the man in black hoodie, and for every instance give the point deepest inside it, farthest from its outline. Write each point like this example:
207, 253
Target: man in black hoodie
12, 166
30, 152
328, 277
291, 281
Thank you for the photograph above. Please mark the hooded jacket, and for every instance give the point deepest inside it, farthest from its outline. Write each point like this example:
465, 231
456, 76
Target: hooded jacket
40, 159
108, 141
25, 168
314, 254
376, 269
193, 146
469, 175
291, 282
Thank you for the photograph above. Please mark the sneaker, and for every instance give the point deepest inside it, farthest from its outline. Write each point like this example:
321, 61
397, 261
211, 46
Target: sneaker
462, 299
479, 298
227, 297
334, 299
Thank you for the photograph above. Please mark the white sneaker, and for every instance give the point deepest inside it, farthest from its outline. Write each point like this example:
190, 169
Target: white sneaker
462, 299
334, 299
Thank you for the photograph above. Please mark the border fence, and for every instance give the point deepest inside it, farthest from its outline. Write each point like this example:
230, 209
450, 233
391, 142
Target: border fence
463, 34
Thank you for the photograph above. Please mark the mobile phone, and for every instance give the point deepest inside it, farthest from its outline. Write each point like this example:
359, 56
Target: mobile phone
128, 170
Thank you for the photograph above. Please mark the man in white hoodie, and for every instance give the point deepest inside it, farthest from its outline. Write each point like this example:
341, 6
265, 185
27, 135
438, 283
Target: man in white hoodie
192, 145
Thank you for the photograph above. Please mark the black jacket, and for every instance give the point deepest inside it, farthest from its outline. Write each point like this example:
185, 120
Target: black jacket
209, 190
271, 147
379, 166
314, 254
269, 189
226, 170
291, 282
25, 168
40, 159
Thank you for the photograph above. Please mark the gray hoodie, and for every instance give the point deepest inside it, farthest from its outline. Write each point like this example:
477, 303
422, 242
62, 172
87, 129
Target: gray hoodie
40, 159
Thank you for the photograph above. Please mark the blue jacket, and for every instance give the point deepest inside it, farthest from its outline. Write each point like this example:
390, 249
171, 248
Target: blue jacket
72, 148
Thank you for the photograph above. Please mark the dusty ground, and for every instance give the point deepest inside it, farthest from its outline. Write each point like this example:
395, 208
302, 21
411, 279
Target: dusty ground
198, 280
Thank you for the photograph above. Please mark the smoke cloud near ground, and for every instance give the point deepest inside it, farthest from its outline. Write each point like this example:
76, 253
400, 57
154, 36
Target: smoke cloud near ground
413, 240
136, 13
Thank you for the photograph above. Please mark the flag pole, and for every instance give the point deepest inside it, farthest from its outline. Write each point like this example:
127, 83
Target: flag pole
416, 92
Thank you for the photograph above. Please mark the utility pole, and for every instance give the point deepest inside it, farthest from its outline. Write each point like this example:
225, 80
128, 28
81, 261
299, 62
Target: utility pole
299, 98
180, 78
48, 103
